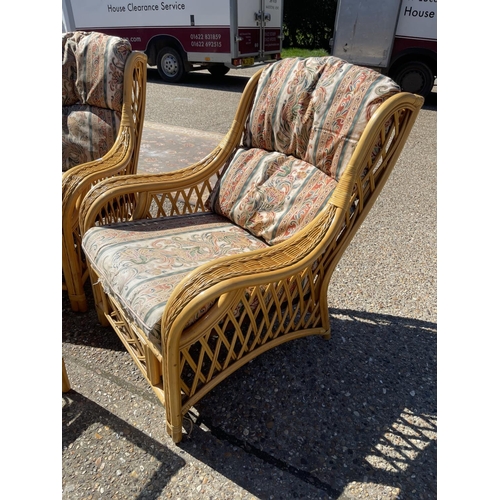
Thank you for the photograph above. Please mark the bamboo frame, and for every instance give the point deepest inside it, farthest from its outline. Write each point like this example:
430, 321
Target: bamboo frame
120, 160
279, 292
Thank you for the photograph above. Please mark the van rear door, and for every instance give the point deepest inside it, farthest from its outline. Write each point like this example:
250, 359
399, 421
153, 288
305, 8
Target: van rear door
259, 29
364, 31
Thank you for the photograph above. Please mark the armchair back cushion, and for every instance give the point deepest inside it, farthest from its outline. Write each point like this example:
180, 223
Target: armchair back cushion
92, 94
305, 123
271, 194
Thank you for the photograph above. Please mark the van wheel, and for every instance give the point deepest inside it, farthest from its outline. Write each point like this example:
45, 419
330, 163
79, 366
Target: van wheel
219, 70
415, 77
170, 65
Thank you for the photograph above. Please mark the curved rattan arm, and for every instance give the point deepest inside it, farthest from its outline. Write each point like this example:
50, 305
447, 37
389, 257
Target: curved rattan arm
235, 273
111, 190
121, 159
402, 109
346, 210
80, 178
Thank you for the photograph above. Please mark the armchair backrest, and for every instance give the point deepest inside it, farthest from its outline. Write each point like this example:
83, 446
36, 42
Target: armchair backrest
315, 109
92, 94
306, 120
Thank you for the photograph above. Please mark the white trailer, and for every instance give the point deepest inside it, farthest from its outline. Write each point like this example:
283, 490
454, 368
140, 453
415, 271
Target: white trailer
179, 36
397, 37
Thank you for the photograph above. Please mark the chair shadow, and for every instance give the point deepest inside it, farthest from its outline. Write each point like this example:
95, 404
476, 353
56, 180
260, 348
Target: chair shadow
360, 407
84, 328
431, 102
101, 434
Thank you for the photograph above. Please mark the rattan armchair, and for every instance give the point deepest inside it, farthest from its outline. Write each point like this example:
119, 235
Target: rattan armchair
200, 270
103, 97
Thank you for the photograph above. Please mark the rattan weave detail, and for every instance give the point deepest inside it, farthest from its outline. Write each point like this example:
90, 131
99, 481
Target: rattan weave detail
262, 298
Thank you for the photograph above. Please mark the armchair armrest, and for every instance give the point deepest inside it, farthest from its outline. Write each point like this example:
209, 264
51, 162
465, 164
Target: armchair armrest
137, 190
135, 193
230, 276
79, 179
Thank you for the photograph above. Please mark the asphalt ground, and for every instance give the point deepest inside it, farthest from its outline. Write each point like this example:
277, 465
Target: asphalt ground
349, 418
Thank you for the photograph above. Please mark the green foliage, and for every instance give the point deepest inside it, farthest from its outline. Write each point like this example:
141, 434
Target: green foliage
297, 52
308, 23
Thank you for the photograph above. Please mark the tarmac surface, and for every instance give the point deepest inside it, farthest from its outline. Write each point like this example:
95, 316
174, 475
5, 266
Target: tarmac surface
349, 418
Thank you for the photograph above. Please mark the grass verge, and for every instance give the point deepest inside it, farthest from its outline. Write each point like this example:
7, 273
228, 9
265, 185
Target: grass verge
296, 52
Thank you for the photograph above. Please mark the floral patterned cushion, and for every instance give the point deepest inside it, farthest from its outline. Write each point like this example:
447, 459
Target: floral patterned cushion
69, 46
88, 133
315, 109
272, 195
94, 64
307, 117
140, 263
92, 81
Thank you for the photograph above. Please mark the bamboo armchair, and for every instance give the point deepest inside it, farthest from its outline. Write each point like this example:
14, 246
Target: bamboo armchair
104, 100
225, 290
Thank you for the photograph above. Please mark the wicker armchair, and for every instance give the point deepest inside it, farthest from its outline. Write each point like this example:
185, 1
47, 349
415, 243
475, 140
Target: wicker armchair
203, 269
103, 105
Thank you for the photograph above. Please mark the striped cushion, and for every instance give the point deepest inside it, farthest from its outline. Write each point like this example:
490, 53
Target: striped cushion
94, 64
272, 195
69, 45
88, 133
140, 263
307, 118
315, 109
92, 94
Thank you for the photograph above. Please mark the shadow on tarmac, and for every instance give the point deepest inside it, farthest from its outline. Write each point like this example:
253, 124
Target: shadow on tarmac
204, 80
358, 408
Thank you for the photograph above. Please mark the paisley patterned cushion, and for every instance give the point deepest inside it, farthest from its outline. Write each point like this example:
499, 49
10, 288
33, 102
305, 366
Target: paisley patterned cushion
94, 64
92, 94
69, 45
272, 195
88, 133
306, 120
315, 109
141, 262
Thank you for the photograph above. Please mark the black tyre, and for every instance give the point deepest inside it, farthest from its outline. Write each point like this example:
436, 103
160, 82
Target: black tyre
219, 70
415, 76
170, 65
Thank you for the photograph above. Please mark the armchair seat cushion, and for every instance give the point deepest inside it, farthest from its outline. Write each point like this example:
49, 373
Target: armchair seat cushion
140, 263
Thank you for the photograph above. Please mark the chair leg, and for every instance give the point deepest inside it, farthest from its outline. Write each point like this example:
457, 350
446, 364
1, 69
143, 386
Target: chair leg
101, 317
78, 302
72, 277
66, 386
100, 300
